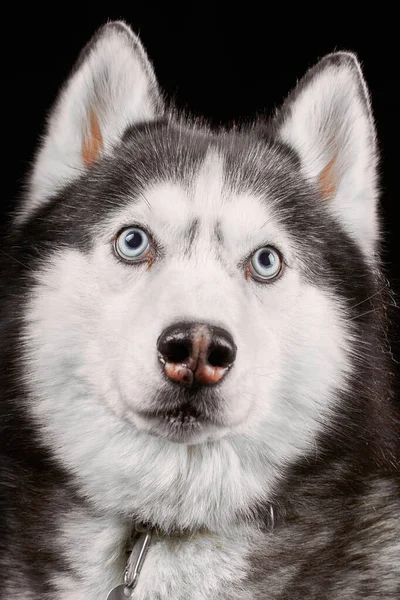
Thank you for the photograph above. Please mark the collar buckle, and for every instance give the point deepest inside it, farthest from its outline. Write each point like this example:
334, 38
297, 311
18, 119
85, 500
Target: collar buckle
136, 560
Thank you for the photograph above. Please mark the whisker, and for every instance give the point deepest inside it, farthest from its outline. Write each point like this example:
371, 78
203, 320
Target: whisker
369, 297
365, 313
147, 202
15, 259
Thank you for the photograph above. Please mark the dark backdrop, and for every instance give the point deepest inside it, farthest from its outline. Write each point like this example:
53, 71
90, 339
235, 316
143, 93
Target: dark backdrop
224, 66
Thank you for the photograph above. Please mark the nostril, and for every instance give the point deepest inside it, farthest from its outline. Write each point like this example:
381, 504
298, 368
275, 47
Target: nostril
220, 357
175, 352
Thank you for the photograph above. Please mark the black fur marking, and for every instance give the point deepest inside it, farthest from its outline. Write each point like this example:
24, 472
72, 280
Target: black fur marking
218, 234
191, 234
33, 486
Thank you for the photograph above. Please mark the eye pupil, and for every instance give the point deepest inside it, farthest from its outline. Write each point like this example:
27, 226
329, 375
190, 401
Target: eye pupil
266, 259
134, 240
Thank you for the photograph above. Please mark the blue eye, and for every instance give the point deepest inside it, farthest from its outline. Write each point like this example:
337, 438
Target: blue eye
132, 244
265, 264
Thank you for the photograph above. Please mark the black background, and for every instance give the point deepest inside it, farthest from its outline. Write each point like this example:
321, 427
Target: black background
226, 67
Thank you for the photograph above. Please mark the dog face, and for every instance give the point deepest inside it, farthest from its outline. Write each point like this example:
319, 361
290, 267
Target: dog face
188, 329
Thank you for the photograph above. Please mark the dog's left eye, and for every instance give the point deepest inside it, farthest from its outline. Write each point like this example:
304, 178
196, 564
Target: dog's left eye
132, 244
265, 264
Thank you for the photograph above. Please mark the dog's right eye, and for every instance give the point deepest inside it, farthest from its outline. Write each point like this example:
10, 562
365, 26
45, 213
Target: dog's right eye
132, 244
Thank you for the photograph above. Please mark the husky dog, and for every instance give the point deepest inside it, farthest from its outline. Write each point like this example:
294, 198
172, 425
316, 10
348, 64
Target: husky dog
194, 341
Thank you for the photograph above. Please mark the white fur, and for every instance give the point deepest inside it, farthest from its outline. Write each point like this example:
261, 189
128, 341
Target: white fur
117, 81
331, 117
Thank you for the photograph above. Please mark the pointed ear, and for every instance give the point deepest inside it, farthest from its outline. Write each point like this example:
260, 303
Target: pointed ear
111, 87
327, 120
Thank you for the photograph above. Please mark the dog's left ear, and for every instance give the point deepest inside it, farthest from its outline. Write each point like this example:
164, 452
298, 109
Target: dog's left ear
327, 120
111, 87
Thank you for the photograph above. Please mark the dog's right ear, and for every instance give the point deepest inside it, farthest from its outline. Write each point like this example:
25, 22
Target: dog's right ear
111, 87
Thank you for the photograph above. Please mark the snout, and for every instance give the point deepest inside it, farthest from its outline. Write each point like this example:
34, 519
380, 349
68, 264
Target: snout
196, 353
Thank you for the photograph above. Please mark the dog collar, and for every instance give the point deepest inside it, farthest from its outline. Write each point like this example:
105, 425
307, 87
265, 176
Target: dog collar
140, 541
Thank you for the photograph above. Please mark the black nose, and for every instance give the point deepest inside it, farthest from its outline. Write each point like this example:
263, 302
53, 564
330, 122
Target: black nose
195, 352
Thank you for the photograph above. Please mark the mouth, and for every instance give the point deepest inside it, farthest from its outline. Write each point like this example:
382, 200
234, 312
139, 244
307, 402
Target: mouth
189, 418
177, 427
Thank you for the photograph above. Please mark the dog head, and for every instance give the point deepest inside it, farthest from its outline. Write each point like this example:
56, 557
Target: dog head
188, 327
